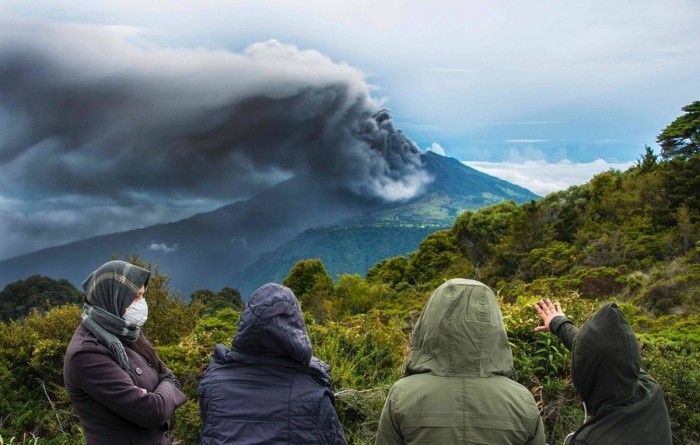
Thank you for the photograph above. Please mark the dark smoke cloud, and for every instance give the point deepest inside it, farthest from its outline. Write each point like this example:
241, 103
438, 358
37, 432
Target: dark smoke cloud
99, 126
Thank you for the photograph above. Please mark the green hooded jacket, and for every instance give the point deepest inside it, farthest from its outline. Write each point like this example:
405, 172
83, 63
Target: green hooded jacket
624, 404
459, 386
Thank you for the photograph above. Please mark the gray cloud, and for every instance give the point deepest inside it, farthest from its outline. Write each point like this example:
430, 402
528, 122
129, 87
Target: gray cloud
95, 121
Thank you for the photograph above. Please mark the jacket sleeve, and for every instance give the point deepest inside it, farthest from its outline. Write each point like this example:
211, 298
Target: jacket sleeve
389, 432
563, 328
102, 379
338, 433
539, 437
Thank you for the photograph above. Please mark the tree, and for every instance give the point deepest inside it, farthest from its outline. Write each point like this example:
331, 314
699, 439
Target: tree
478, 232
682, 137
437, 259
648, 161
685, 227
305, 275
358, 296
226, 298
390, 271
36, 292
312, 285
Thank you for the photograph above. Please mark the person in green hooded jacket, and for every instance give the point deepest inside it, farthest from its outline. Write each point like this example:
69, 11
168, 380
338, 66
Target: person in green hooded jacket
623, 404
459, 385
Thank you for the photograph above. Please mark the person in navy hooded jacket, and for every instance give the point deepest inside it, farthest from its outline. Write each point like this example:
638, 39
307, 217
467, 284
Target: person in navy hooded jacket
268, 388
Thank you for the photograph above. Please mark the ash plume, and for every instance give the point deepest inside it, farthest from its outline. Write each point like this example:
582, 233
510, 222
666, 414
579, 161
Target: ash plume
100, 130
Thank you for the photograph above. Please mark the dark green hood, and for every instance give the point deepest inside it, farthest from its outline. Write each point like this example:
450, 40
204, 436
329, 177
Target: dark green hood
461, 332
605, 359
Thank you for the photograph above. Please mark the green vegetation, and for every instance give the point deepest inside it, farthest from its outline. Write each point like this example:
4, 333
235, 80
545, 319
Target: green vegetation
36, 292
682, 136
632, 237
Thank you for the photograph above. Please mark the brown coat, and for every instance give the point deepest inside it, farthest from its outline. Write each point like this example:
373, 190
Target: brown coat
112, 408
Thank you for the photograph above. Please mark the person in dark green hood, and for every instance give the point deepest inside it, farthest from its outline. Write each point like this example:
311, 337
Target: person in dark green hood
459, 385
623, 404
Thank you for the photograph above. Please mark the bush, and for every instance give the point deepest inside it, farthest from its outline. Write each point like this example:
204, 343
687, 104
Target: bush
34, 402
677, 370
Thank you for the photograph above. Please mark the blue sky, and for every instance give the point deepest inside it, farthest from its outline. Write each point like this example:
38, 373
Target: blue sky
541, 93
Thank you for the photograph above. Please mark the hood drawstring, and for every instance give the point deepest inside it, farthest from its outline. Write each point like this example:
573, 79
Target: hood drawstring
569, 437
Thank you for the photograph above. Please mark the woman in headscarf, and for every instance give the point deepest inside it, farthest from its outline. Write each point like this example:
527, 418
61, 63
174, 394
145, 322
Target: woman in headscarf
120, 389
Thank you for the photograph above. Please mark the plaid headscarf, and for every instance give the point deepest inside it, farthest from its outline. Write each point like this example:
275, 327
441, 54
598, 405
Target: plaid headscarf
109, 290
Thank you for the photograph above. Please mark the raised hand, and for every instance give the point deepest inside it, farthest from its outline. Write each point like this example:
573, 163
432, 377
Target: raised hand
547, 311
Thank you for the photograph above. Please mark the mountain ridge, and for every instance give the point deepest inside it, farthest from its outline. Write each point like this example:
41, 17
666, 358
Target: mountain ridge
215, 249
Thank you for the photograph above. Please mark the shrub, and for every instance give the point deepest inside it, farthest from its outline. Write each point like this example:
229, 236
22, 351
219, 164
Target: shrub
677, 369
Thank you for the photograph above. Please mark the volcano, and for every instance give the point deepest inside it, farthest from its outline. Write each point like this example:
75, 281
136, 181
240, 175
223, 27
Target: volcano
245, 244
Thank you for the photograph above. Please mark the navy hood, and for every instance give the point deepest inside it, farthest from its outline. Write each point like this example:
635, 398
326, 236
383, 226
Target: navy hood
271, 325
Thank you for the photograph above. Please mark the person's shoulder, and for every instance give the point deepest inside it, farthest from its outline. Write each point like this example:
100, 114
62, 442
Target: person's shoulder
418, 382
513, 386
84, 341
412, 379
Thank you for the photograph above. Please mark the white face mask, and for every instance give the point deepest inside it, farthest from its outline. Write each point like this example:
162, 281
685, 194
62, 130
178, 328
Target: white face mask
137, 312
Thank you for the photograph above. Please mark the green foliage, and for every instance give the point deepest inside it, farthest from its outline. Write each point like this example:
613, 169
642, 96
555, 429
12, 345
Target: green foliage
218, 328
305, 275
391, 272
356, 296
649, 161
553, 260
437, 259
359, 411
34, 402
363, 351
187, 423
681, 182
677, 369
366, 353
312, 285
169, 317
226, 298
681, 138
550, 357
36, 292
540, 359
477, 232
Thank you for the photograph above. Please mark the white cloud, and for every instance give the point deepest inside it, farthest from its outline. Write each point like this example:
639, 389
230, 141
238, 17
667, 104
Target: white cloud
437, 148
543, 177
162, 247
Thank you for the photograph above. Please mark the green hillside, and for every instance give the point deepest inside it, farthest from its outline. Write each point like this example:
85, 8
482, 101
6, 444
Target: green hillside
632, 237
342, 249
390, 229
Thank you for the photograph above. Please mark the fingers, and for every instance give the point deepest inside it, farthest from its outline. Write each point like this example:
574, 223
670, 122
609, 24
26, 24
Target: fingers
545, 307
539, 310
547, 311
